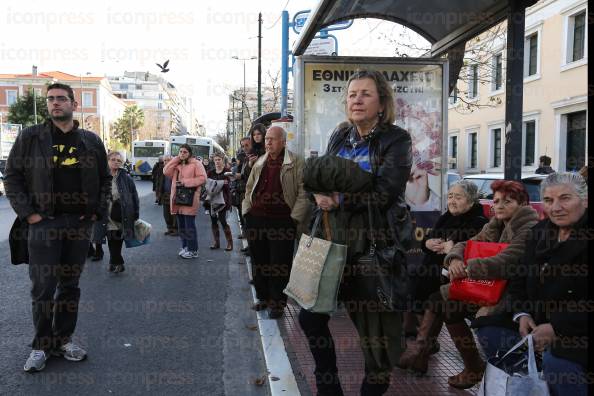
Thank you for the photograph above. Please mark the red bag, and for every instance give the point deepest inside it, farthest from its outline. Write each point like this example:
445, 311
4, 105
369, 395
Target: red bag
479, 291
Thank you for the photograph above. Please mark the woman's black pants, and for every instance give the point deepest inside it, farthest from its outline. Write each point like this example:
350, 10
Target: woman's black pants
115, 240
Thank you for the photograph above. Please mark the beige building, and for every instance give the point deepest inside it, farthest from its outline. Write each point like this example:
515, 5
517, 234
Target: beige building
97, 108
555, 94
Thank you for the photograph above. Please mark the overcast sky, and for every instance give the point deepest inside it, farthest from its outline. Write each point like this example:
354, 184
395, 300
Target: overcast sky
199, 38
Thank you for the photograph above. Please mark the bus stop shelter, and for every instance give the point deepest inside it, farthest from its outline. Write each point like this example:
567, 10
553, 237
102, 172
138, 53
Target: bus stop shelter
447, 26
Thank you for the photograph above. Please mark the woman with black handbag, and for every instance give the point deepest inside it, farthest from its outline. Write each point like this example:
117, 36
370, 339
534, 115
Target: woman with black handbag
123, 211
188, 175
384, 151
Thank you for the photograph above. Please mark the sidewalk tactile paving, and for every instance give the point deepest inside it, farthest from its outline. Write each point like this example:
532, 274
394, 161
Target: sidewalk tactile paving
445, 363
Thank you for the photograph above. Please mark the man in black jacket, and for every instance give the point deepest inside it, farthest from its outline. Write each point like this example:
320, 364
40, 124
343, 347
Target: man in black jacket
57, 181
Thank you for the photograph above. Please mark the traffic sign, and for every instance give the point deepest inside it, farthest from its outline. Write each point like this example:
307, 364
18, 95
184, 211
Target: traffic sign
300, 18
321, 46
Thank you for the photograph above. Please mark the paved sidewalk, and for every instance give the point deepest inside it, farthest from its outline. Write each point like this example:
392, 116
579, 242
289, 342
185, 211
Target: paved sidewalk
350, 360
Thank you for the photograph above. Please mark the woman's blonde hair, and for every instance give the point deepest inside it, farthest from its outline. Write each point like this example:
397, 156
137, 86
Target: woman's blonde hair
384, 90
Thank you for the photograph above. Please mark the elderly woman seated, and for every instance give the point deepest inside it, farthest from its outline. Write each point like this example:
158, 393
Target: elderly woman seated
511, 224
549, 299
463, 220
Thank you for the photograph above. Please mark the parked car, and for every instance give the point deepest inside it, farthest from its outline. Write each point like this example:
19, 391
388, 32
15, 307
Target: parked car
483, 182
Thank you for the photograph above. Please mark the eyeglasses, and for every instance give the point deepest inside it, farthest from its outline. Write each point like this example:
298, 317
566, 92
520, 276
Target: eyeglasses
59, 99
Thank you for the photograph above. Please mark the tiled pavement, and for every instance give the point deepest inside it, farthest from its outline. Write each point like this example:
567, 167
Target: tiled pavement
350, 360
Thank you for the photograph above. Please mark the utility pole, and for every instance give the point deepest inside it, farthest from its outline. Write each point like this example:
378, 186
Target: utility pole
244, 94
259, 64
34, 72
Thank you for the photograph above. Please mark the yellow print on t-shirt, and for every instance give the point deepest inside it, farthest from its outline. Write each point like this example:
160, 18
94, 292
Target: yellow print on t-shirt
65, 156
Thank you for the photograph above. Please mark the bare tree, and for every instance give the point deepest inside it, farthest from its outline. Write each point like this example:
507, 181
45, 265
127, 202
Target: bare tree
479, 51
223, 140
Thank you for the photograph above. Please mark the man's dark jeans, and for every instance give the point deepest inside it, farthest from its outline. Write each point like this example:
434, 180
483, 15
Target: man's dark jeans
57, 251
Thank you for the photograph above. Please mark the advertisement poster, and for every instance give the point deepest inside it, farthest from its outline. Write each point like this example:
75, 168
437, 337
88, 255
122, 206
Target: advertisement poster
8, 135
419, 104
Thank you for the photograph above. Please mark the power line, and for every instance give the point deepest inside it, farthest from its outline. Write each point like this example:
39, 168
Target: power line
279, 17
370, 31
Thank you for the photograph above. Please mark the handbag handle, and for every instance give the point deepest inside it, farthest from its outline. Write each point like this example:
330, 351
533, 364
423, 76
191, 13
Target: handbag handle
532, 370
322, 215
371, 229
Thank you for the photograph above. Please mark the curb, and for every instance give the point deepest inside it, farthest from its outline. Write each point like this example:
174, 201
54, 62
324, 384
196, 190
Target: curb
280, 372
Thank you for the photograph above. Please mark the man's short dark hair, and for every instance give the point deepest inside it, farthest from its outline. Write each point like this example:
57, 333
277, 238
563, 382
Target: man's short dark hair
245, 138
546, 161
64, 87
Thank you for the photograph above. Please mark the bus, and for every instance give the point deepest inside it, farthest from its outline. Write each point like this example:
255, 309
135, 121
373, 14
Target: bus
145, 154
201, 146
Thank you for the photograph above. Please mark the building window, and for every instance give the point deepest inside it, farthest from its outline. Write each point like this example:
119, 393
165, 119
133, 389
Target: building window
11, 97
454, 152
576, 141
497, 72
138, 86
531, 55
124, 87
473, 82
473, 150
576, 36
496, 147
529, 142
453, 99
160, 106
87, 99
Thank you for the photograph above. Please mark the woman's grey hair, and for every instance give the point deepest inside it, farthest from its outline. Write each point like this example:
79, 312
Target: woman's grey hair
470, 190
559, 178
114, 153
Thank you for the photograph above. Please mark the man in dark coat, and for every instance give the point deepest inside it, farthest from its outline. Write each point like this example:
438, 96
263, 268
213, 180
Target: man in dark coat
544, 166
163, 193
157, 172
57, 181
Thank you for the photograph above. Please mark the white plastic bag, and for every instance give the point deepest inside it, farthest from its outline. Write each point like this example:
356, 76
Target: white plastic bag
497, 382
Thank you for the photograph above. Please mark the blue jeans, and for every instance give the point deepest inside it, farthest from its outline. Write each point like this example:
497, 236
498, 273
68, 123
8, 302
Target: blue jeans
186, 226
563, 376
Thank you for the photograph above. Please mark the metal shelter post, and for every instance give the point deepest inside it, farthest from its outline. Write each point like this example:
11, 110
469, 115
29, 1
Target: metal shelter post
514, 88
284, 62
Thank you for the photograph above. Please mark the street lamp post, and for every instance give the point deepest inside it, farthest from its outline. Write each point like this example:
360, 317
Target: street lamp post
244, 91
82, 105
34, 72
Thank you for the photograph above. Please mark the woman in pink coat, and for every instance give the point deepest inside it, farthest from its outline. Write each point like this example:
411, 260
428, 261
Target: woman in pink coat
185, 170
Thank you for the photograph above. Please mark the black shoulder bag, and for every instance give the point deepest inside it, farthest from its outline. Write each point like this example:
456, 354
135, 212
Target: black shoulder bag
382, 276
184, 196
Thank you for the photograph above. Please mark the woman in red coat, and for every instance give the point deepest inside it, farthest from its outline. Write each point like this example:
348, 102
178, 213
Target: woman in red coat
186, 171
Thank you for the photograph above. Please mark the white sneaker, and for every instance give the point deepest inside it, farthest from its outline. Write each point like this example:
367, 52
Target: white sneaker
70, 351
36, 361
182, 251
189, 255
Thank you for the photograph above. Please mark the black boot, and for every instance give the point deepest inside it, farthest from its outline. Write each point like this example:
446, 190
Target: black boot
98, 253
375, 384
